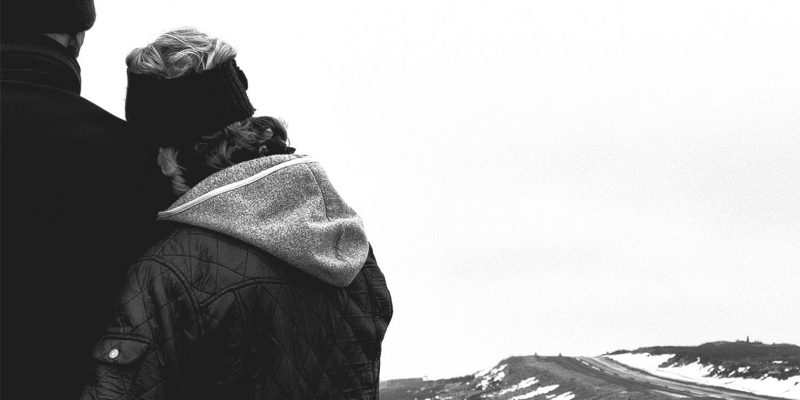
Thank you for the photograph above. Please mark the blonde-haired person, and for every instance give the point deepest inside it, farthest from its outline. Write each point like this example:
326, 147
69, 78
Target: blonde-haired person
265, 286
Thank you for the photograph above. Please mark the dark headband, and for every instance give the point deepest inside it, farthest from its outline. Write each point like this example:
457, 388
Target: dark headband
178, 111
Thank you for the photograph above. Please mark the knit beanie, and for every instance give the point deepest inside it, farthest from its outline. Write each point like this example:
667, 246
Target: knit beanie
47, 16
181, 110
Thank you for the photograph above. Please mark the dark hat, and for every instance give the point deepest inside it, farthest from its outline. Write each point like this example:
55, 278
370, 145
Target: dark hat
47, 16
181, 110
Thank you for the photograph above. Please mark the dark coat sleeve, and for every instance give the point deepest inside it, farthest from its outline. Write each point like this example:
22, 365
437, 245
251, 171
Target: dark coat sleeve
142, 352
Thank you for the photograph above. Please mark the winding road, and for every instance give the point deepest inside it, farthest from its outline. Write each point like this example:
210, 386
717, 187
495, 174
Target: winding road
637, 380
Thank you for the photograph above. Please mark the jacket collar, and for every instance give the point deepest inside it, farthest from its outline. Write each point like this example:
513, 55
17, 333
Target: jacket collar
39, 60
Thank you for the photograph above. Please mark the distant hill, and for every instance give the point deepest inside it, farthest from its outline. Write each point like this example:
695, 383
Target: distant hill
514, 376
733, 359
750, 371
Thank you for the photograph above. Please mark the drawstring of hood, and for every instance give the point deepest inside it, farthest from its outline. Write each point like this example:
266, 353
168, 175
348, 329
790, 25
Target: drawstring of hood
284, 205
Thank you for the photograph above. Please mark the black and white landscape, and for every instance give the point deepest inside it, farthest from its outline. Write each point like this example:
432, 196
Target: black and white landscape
719, 370
534, 176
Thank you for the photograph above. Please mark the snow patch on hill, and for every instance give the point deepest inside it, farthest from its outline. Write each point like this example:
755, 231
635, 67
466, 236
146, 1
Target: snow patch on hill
534, 393
490, 375
698, 373
522, 385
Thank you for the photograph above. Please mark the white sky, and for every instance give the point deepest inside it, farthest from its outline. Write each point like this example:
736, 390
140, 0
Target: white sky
535, 176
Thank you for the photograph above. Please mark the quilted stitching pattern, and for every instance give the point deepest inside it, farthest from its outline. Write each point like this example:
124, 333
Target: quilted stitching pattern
226, 320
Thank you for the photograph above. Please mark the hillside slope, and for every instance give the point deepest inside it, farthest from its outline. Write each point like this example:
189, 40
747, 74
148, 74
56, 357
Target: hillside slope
609, 376
514, 378
769, 369
556, 378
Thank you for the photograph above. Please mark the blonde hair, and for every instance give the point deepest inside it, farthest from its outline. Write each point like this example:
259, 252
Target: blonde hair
179, 52
186, 51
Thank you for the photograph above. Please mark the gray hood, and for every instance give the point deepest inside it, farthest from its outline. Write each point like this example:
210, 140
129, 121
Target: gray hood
284, 205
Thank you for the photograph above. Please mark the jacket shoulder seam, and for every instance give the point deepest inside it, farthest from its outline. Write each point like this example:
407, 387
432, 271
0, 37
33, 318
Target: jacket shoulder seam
183, 281
159, 249
236, 287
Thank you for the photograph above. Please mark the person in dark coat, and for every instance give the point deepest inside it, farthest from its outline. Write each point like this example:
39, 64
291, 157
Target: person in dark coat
72, 217
266, 287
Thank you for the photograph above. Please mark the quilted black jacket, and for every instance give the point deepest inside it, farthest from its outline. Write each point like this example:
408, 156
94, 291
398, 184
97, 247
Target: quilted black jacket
206, 316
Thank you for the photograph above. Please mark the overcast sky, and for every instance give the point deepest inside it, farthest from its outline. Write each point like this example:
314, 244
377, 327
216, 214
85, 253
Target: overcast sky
535, 176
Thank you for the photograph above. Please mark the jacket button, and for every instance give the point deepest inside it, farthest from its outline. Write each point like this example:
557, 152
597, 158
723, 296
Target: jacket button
113, 353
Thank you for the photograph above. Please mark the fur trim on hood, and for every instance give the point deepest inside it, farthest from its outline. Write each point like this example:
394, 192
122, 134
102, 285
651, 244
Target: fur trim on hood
284, 205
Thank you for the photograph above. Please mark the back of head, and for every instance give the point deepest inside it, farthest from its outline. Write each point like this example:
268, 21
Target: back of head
47, 16
178, 53
183, 54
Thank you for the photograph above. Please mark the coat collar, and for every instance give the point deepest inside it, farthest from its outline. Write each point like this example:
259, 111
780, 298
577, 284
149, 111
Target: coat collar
39, 60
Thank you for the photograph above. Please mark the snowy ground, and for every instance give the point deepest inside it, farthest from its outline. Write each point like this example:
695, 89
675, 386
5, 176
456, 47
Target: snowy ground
696, 372
498, 373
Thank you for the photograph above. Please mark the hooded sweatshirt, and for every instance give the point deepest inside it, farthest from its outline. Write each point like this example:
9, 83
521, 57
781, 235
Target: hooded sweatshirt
284, 205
